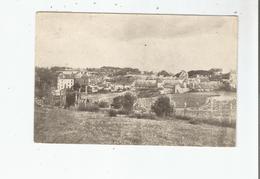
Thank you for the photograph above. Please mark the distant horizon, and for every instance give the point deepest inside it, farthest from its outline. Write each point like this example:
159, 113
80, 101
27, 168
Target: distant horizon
132, 67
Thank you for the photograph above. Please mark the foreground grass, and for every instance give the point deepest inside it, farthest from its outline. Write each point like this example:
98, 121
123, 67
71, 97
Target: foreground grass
64, 126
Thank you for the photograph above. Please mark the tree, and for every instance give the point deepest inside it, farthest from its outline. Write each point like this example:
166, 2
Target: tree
120, 73
162, 106
148, 72
194, 73
117, 102
125, 102
89, 89
76, 86
163, 73
57, 68
103, 104
128, 102
70, 98
83, 88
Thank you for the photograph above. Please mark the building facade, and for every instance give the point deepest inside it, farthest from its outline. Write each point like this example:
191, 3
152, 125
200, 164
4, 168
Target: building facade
64, 81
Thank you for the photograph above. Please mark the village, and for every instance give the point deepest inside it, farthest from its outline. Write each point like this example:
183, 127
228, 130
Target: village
179, 83
78, 88
109, 80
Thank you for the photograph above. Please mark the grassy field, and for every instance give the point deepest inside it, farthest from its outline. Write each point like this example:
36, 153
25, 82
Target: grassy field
64, 126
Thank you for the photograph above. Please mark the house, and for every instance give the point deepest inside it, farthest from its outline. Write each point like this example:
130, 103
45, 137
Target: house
179, 88
183, 75
231, 82
92, 88
79, 74
145, 84
118, 87
69, 72
208, 86
65, 81
174, 86
127, 87
166, 91
193, 82
56, 92
171, 83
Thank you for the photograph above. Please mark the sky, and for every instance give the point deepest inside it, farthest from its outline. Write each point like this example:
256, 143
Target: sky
148, 42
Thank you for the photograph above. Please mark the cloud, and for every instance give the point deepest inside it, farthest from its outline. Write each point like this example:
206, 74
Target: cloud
169, 26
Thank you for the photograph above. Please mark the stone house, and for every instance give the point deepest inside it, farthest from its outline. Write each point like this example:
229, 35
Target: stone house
64, 81
145, 84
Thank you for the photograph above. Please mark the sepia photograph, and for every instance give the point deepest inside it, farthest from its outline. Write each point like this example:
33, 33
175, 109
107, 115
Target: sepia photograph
135, 79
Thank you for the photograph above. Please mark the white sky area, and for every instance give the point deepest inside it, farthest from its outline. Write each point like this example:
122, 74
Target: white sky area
147, 42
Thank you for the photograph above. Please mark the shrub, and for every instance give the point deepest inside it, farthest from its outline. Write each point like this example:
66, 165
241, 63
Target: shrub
162, 107
103, 104
112, 113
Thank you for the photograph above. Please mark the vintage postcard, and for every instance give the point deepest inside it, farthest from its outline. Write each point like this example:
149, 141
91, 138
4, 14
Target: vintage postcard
135, 79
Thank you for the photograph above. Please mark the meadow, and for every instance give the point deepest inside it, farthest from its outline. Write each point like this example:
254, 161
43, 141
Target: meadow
56, 125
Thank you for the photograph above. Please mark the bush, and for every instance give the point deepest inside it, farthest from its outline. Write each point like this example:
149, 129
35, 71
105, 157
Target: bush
112, 113
163, 73
88, 107
162, 107
103, 104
